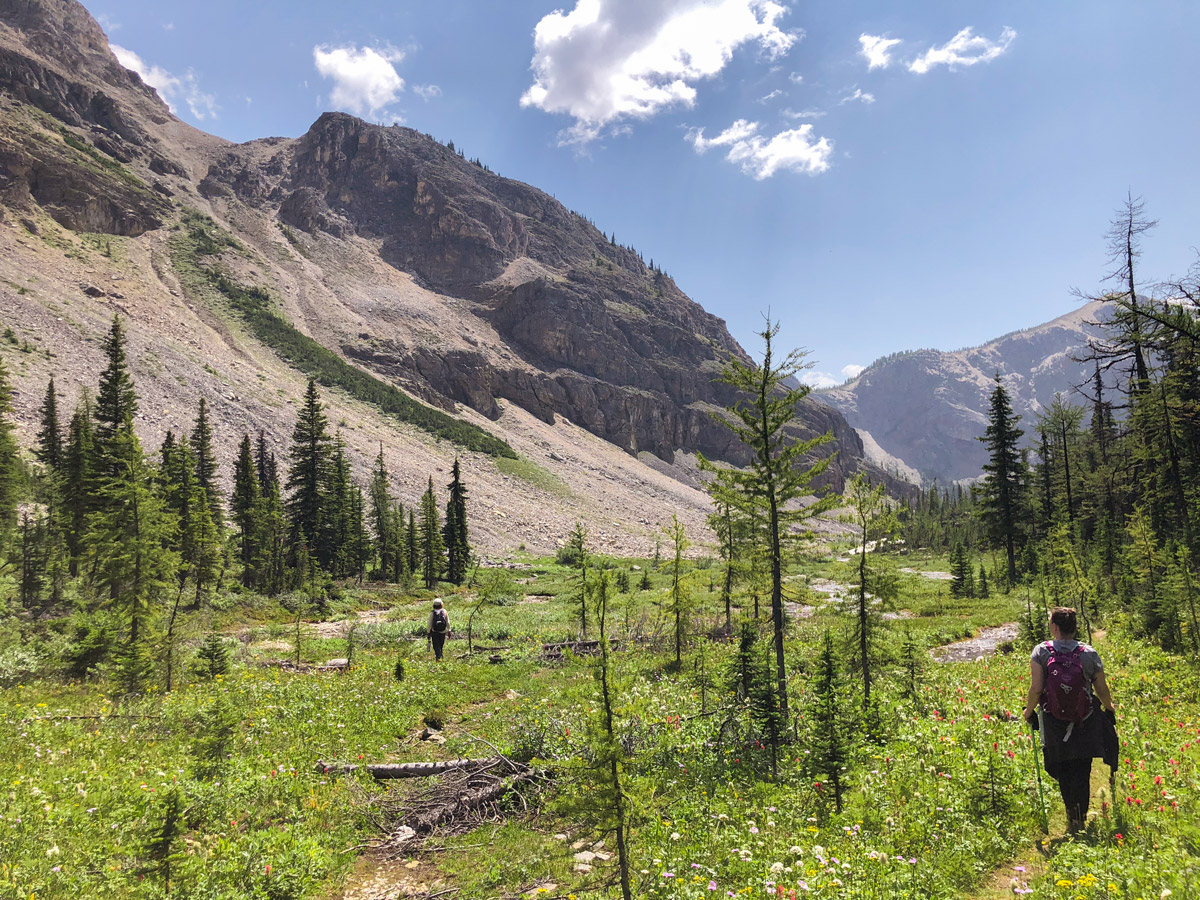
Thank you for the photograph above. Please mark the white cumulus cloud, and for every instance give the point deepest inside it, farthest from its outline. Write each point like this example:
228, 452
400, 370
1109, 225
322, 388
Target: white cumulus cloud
427, 91
761, 157
964, 49
820, 380
876, 49
172, 88
610, 60
859, 95
365, 80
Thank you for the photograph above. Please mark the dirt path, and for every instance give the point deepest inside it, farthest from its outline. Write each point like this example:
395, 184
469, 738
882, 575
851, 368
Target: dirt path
979, 647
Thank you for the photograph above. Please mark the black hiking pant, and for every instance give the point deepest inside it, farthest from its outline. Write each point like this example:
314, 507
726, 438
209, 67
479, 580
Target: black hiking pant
439, 641
1075, 784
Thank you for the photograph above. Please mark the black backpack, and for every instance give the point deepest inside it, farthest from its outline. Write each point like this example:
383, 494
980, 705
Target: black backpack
440, 621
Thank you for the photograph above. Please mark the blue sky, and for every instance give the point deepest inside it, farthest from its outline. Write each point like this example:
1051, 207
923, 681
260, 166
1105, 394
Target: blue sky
880, 176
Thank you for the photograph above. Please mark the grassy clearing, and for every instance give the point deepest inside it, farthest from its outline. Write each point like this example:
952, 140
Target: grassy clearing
529, 471
941, 800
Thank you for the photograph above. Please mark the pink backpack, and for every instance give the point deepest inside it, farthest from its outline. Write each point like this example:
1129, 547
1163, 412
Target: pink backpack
1066, 694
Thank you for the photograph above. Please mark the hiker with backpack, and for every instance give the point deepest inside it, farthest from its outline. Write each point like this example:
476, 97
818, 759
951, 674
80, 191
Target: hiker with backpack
439, 627
1067, 681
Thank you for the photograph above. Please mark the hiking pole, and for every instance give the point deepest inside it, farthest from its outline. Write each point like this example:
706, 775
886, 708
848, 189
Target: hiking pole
1037, 773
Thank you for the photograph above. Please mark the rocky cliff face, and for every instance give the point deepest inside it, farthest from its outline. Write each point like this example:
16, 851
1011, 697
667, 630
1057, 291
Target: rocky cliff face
474, 292
929, 408
598, 336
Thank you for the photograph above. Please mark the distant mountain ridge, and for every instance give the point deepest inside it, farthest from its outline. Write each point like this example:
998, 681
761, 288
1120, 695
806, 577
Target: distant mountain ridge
925, 409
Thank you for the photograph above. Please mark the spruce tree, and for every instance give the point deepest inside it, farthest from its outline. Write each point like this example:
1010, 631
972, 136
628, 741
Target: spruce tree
339, 513
308, 477
247, 495
358, 541
271, 527
401, 562
458, 550
206, 464
1002, 489
829, 739
49, 450
430, 536
127, 540
78, 481
9, 462
382, 519
116, 402
411, 543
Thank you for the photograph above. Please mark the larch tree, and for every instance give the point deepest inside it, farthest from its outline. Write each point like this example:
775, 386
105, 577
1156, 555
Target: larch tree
769, 488
876, 585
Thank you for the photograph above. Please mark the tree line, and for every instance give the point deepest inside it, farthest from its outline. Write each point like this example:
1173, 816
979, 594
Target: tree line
141, 538
1097, 505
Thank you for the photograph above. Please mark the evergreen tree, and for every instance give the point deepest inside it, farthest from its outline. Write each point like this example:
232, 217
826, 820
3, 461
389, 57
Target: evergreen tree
339, 512
264, 460
308, 478
612, 793
127, 541
271, 527
116, 403
1002, 490
766, 489
244, 504
981, 584
49, 450
206, 465
458, 550
875, 584
195, 536
29, 556
829, 740
678, 597
433, 555
78, 481
411, 544
574, 553
9, 462
358, 541
383, 522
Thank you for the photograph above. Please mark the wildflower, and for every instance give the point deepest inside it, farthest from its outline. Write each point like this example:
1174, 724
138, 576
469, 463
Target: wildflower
712, 885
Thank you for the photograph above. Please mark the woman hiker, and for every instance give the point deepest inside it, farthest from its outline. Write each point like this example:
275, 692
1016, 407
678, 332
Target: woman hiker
439, 627
1066, 678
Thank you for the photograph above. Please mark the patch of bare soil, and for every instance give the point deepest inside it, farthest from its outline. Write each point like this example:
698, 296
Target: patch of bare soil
979, 647
935, 576
342, 627
377, 878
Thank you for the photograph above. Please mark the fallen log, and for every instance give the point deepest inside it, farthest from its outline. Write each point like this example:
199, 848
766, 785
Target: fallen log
385, 771
467, 802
